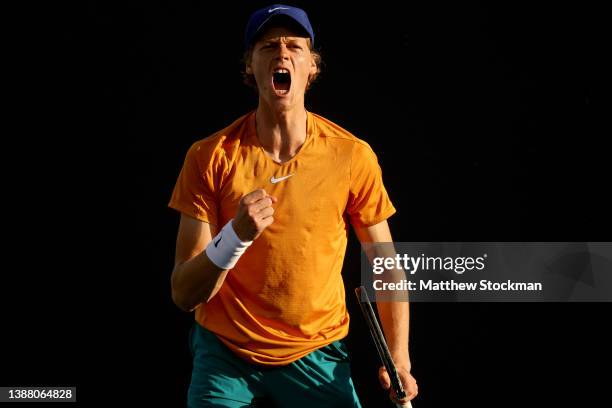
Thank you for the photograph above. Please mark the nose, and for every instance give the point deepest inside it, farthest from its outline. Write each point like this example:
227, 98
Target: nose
283, 52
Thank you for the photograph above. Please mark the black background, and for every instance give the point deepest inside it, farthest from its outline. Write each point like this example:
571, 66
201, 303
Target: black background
488, 124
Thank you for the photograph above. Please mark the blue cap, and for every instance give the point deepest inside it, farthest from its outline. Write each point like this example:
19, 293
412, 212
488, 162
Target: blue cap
261, 17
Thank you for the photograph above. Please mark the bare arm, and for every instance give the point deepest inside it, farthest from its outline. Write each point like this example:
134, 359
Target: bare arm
394, 316
195, 278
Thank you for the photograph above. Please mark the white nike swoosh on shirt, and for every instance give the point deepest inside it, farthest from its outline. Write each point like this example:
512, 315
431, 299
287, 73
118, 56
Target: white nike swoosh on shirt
277, 8
275, 180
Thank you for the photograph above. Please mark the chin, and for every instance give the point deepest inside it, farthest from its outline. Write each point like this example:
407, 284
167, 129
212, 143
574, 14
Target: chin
280, 103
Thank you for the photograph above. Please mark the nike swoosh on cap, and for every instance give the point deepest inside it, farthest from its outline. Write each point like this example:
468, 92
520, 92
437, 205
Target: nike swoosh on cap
277, 8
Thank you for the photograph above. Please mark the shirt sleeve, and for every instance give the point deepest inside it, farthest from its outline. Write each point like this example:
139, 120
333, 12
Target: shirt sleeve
369, 202
194, 192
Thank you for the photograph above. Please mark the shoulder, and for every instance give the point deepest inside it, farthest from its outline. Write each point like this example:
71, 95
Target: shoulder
360, 150
338, 135
218, 147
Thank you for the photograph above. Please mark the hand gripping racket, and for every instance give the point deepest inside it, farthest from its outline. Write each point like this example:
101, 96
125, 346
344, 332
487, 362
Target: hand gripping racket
381, 344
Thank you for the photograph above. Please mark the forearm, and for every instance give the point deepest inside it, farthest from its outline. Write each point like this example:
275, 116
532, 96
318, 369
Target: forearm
195, 281
394, 315
395, 319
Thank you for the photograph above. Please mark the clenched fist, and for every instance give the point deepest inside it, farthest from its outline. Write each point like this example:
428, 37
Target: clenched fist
254, 215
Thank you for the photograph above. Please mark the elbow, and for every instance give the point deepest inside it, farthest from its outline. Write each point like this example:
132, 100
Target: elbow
180, 301
187, 297
184, 299
179, 296
189, 303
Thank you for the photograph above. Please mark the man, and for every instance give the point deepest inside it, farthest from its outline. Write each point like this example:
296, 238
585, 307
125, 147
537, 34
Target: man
265, 204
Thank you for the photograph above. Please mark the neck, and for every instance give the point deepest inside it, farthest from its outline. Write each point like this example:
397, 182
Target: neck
281, 133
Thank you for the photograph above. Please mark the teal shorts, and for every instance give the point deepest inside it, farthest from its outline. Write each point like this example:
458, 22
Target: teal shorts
222, 379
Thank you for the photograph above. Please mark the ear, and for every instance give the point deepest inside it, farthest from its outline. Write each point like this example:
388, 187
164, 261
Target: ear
248, 69
313, 66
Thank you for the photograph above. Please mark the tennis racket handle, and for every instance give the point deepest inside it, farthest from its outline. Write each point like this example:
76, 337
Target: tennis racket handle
406, 405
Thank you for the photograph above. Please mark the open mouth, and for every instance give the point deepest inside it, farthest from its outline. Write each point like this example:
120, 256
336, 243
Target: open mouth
281, 81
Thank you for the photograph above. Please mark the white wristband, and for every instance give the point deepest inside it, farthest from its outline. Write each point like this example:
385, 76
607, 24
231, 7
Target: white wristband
226, 248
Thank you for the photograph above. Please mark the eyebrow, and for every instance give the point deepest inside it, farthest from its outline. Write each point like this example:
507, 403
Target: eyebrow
278, 40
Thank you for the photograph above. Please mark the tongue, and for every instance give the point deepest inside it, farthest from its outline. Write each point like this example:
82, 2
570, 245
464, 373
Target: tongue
281, 86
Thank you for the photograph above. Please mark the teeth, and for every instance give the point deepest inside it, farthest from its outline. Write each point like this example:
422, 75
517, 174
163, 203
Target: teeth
281, 71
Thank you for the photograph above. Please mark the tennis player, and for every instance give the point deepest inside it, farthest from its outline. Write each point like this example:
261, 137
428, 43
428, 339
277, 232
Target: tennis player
265, 206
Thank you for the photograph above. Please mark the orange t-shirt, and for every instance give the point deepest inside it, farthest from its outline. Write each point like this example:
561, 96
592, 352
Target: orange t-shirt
285, 296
